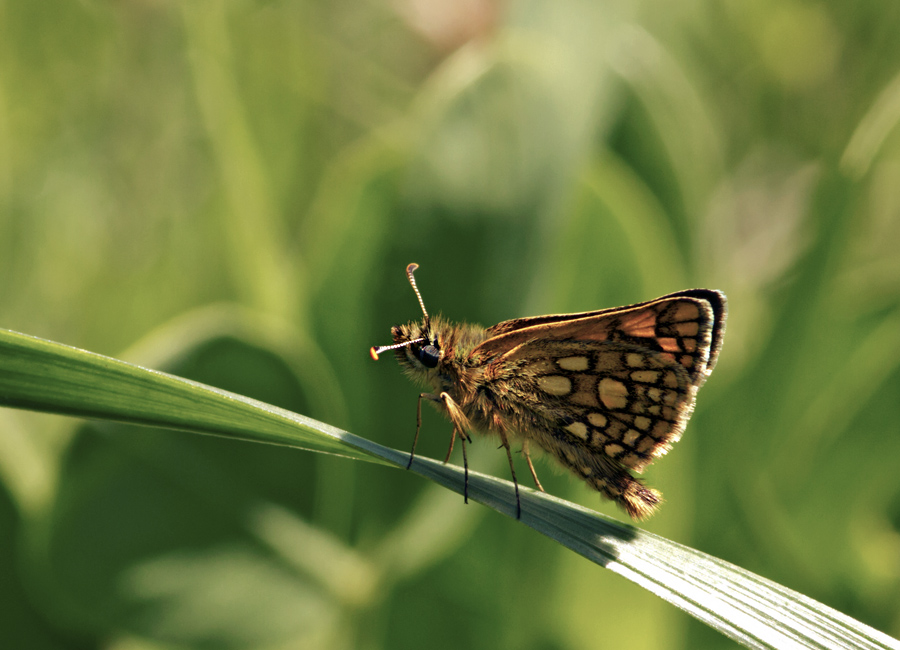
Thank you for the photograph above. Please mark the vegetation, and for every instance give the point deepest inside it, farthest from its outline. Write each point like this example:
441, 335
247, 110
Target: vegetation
230, 193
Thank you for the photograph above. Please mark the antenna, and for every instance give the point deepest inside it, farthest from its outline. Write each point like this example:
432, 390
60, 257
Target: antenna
409, 273
375, 350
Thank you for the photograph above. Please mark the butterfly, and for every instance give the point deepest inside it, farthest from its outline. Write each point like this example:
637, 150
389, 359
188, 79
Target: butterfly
604, 393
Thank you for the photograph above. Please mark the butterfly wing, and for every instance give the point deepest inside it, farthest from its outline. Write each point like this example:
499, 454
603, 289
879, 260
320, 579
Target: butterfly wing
611, 390
686, 326
626, 402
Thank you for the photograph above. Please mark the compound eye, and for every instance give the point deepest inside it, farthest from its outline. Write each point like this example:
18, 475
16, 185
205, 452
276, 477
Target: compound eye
429, 355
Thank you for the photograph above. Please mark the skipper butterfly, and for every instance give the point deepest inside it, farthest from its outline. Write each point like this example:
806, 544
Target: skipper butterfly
603, 392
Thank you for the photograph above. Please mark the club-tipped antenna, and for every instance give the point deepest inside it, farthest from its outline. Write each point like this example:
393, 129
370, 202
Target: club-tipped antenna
375, 350
410, 269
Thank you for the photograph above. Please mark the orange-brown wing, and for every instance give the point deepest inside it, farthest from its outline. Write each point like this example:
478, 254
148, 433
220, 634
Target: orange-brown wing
685, 327
617, 382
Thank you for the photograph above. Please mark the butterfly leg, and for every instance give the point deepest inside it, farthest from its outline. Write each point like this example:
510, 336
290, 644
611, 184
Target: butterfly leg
462, 439
525, 452
433, 398
512, 469
463, 436
461, 424
452, 440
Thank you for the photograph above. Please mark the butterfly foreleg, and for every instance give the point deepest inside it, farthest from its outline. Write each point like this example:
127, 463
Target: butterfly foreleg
412, 453
512, 469
462, 439
461, 425
527, 454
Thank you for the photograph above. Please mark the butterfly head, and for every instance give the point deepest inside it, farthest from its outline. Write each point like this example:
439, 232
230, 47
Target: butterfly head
416, 345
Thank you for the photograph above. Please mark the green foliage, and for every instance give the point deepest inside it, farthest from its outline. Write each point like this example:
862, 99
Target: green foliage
49, 377
230, 192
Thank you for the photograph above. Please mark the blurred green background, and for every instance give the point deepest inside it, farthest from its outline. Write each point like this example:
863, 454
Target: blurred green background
230, 191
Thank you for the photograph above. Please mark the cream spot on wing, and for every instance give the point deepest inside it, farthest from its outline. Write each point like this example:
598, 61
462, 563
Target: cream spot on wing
613, 450
646, 444
634, 360
613, 393
654, 394
578, 429
631, 460
645, 376
573, 363
597, 419
670, 379
631, 437
555, 384
661, 430
615, 429
584, 469
642, 422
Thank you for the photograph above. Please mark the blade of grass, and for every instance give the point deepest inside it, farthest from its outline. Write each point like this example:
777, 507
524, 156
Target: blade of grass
41, 375
758, 613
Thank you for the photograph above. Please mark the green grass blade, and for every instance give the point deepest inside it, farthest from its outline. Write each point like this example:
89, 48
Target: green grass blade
755, 612
44, 376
